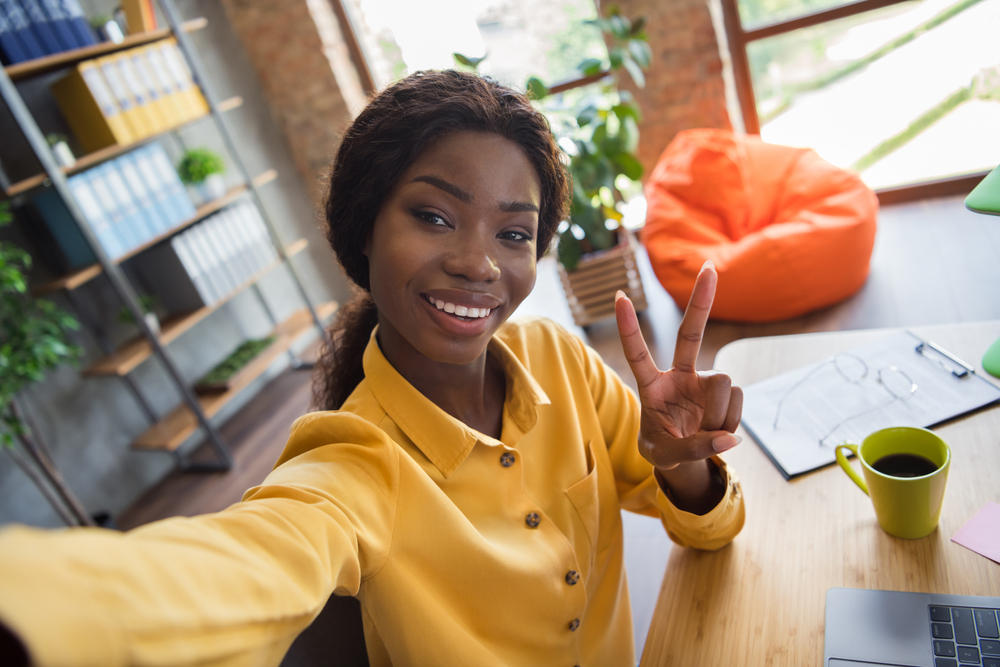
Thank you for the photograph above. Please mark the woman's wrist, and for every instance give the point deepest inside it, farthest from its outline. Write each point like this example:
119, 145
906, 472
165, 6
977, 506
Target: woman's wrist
696, 487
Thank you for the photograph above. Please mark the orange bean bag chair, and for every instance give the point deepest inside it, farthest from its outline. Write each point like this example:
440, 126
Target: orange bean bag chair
788, 232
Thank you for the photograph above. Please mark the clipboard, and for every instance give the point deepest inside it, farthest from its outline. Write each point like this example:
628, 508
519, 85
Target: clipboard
799, 417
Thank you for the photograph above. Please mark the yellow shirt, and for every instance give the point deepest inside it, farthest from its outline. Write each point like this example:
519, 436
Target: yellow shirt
463, 549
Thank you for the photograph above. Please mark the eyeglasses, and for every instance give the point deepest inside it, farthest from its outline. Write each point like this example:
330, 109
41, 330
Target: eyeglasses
854, 370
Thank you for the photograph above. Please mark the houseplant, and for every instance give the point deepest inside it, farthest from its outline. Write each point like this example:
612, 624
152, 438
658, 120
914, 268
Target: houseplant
203, 169
149, 303
596, 254
33, 341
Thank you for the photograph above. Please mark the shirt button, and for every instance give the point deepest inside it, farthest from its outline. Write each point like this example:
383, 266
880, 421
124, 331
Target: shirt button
506, 459
574, 624
572, 577
532, 519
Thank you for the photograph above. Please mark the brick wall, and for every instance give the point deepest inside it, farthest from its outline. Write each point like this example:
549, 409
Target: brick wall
305, 69
684, 85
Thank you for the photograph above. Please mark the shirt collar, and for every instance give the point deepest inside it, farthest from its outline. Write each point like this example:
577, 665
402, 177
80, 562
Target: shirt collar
444, 440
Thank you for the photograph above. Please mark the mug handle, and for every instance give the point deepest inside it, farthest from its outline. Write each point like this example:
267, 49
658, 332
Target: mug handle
846, 465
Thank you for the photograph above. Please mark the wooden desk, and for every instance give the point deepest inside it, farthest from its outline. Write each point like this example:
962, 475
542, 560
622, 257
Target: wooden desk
761, 600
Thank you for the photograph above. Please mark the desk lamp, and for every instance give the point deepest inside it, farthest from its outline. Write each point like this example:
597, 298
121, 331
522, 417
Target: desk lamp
985, 198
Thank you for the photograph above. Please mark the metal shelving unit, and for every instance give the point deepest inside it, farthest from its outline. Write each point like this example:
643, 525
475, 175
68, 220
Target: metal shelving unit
167, 433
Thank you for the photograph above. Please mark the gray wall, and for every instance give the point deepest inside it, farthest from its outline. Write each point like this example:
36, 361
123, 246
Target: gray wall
89, 423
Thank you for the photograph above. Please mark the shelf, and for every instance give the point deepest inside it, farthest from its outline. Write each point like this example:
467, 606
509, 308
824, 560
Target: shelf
84, 275
126, 359
103, 155
170, 432
56, 61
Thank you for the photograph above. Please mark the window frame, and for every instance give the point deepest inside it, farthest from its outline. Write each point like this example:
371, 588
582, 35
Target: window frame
737, 38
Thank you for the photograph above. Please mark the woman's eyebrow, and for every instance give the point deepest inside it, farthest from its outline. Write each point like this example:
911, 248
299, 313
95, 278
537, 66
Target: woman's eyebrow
467, 198
450, 188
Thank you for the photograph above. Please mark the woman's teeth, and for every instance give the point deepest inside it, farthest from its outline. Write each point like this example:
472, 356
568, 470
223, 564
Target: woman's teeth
461, 311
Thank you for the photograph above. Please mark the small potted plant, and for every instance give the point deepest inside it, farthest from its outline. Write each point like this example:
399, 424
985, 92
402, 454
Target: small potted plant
59, 144
203, 169
33, 341
107, 29
148, 302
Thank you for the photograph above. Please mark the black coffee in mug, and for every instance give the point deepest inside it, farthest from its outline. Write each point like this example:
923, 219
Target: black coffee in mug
905, 465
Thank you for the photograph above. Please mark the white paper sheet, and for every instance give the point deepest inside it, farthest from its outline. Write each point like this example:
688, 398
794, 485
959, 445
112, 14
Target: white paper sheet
827, 406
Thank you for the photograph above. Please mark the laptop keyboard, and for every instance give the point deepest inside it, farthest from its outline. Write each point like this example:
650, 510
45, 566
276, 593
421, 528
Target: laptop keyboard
965, 636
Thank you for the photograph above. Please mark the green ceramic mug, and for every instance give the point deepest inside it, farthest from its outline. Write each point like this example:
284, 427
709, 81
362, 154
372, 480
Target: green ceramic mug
906, 491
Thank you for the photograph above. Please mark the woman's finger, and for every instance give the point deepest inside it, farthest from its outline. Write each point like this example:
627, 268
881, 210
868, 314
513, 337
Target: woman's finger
717, 387
692, 328
697, 447
636, 353
735, 412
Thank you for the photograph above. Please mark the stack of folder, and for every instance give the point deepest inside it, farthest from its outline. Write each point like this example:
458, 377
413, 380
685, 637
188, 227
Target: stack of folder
36, 28
122, 98
218, 256
131, 200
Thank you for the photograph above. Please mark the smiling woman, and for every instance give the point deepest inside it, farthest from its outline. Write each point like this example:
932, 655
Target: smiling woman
465, 475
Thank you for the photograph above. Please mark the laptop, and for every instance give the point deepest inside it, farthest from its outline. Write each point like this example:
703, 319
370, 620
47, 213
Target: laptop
985, 197
866, 628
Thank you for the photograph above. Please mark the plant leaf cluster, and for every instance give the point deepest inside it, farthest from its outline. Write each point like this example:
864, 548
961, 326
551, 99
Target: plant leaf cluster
198, 164
605, 139
33, 334
232, 364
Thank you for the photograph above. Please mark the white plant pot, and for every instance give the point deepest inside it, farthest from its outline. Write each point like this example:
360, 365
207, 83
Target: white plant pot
64, 156
212, 188
153, 322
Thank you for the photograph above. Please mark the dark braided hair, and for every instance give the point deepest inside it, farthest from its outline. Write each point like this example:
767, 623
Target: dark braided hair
396, 127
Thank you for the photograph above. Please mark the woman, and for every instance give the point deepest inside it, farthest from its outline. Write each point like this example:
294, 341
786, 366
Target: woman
466, 480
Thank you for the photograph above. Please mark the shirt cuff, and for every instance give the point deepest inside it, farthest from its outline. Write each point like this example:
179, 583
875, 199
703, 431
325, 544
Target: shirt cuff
710, 531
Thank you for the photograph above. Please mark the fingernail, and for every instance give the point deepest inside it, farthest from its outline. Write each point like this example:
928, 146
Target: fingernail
709, 264
725, 442
619, 295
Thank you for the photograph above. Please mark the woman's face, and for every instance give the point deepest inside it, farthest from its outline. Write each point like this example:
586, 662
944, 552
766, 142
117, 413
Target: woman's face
452, 252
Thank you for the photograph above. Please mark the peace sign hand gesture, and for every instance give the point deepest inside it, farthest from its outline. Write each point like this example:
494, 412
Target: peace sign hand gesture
686, 416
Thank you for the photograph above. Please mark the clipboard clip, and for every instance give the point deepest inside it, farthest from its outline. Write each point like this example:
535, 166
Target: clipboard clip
944, 359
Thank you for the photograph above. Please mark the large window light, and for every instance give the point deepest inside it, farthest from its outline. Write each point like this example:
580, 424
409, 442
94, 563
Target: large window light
902, 92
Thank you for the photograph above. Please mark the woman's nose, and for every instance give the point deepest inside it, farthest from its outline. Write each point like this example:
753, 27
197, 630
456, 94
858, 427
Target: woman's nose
473, 263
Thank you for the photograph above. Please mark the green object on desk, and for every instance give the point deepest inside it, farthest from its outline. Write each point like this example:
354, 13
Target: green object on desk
985, 198
991, 360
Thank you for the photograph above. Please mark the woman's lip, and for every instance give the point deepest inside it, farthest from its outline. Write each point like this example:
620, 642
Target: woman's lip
464, 298
464, 328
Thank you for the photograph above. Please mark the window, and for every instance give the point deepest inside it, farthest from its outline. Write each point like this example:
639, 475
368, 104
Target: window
902, 92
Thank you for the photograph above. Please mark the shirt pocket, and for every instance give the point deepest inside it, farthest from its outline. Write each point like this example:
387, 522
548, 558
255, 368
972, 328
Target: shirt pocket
596, 499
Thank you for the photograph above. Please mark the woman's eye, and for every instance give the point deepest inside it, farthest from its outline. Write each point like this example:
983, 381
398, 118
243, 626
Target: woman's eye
515, 236
432, 218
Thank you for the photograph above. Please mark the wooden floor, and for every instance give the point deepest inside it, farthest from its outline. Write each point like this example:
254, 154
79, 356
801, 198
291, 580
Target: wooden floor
934, 262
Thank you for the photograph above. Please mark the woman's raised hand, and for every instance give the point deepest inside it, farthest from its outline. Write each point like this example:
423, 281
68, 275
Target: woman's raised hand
687, 416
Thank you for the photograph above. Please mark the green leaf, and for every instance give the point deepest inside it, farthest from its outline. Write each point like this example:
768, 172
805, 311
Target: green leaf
587, 116
629, 166
635, 72
467, 61
620, 26
624, 111
590, 66
536, 89
628, 134
638, 25
641, 52
570, 250
616, 55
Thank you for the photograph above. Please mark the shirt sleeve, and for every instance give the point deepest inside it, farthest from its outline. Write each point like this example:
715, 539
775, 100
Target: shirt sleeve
618, 410
231, 588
